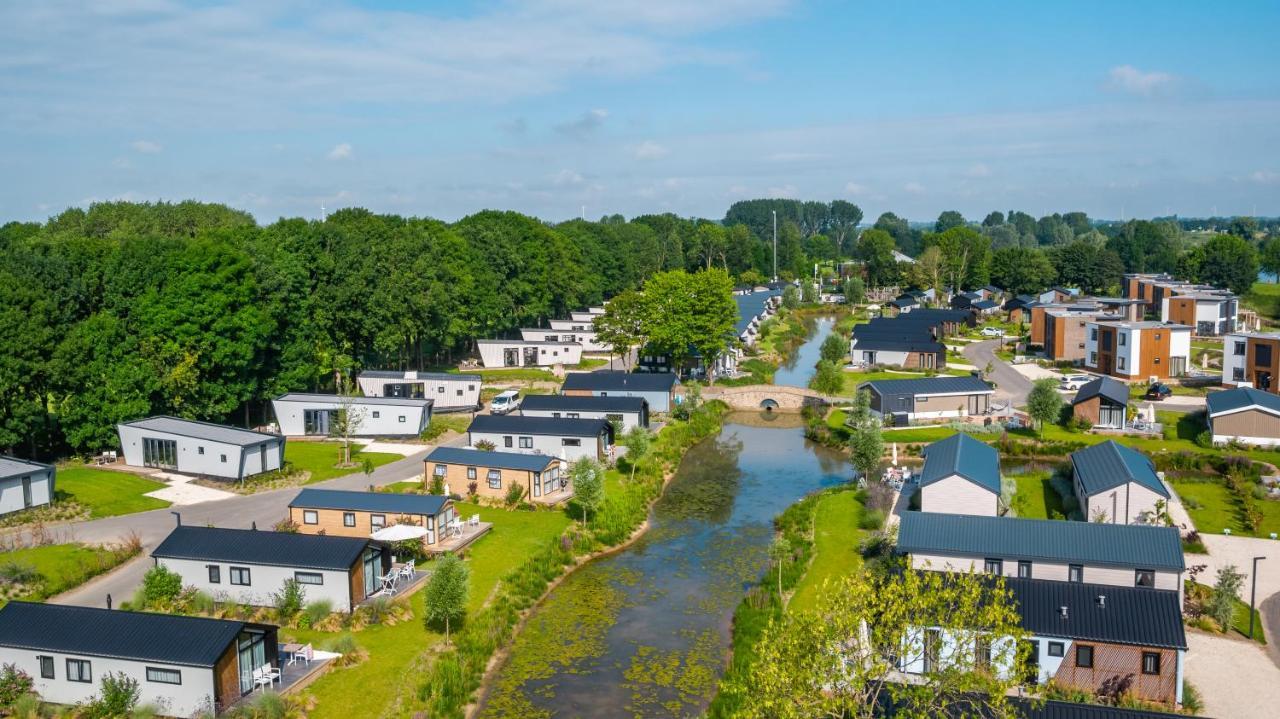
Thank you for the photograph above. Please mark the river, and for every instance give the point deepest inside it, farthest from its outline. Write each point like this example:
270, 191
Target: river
644, 632
799, 368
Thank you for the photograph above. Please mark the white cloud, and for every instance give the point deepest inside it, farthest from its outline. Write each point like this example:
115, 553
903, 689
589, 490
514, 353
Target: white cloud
341, 151
146, 147
914, 188
649, 150
855, 189
1265, 177
978, 169
585, 125
1131, 80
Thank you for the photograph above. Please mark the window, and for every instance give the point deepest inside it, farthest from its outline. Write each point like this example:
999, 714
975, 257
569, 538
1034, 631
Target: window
1124, 339
79, 670
471, 472
26, 492
459, 391
215, 574
377, 521
1093, 334
526, 443
224, 458
570, 443
1024, 570
348, 519
1157, 337
401, 420
441, 470
46, 667
1155, 360
506, 441
310, 516
240, 576
309, 577
1239, 349
1150, 662
200, 450
1144, 578
376, 414
613, 417
471, 388
574, 415
993, 566
1237, 374
1093, 358
494, 478
1056, 649
1075, 572
164, 676
1084, 656
1120, 362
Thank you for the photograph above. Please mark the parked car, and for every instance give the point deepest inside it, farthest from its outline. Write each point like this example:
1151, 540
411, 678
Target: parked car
1075, 381
504, 402
1158, 391
992, 332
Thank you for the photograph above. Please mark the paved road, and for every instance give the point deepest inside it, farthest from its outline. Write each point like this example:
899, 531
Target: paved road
1010, 385
264, 509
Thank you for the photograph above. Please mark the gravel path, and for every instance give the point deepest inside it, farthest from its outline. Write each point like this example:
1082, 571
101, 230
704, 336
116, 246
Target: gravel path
1233, 677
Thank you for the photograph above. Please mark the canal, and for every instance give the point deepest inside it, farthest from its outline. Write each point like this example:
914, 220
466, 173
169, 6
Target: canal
644, 632
800, 366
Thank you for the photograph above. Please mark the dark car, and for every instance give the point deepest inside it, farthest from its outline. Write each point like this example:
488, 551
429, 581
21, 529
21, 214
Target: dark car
1158, 391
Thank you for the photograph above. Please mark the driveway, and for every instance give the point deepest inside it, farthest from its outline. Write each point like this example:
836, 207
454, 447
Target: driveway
1233, 676
1240, 551
263, 510
1010, 385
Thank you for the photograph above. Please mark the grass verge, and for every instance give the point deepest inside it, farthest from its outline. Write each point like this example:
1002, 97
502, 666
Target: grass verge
37, 573
321, 459
106, 493
836, 537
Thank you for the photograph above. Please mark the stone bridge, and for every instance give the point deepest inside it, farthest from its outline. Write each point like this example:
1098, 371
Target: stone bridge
774, 398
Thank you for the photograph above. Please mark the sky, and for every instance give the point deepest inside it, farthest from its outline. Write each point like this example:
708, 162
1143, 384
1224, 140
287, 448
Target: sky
558, 108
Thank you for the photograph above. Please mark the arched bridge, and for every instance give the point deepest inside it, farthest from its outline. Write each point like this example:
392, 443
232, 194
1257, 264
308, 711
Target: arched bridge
775, 398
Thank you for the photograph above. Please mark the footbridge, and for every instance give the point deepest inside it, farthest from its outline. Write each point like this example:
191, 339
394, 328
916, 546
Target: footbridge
768, 397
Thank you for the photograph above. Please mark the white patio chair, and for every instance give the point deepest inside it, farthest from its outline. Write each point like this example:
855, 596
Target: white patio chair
306, 654
475, 520
389, 582
407, 570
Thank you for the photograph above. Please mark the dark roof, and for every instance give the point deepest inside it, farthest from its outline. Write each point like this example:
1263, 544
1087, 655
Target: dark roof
1055, 540
620, 381
1126, 615
552, 426
383, 502
901, 344
903, 303
498, 460
141, 636
1109, 387
1074, 710
986, 304
305, 397
1110, 464
14, 466
403, 375
930, 385
1235, 399
992, 288
1019, 301
574, 403
249, 546
963, 455
202, 430
750, 306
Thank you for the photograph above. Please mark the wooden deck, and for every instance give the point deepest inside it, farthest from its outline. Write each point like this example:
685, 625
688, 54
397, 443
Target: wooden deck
459, 542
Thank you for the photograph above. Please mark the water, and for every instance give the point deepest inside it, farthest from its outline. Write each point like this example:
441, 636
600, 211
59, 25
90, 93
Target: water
645, 632
799, 369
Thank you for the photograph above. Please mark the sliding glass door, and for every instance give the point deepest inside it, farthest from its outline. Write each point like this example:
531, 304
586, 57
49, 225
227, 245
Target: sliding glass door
162, 453
253, 656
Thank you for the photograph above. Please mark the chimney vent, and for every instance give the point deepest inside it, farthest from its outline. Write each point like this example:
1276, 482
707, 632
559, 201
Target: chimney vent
1063, 611
1102, 601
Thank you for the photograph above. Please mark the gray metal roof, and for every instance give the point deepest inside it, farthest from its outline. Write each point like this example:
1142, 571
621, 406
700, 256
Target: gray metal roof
552, 426
140, 636
1110, 464
523, 342
986, 304
14, 466
963, 455
418, 376
203, 430
497, 460
1104, 386
1138, 616
333, 398
897, 344
1055, 540
751, 306
620, 381
581, 403
249, 546
964, 384
382, 502
1236, 399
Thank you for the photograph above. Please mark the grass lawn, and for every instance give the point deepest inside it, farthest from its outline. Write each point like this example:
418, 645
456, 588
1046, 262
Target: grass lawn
1240, 623
63, 566
108, 493
919, 434
349, 692
320, 458
442, 423
1218, 510
1035, 496
835, 547
1264, 297
589, 363
512, 374
853, 379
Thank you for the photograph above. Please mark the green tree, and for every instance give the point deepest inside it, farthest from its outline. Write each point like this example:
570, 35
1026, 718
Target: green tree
1269, 256
808, 292
780, 552
752, 278
834, 347
637, 442
875, 249
1044, 404
790, 297
1021, 270
160, 586
683, 311
866, 444
843, 659
966, 256
587, 477
621, 327
1230, 262
828, 378
1225, 594
947, 220
929, 268
1086, 265
445, 596
855, 291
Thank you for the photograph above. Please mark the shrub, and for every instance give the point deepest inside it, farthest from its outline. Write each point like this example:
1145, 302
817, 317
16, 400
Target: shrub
485, 445
315, 612
471, 488
1079, 424
871, 519
1222, 601
27, 706
377, 609
437, 485
289, 600
117, 698
14, 684
286, 525
202, 603
1204, 439
18, 573
160, 586
515, 492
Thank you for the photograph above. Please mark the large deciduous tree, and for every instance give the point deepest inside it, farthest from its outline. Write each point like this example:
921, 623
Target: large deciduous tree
875, 249
1021, 270
1229, 261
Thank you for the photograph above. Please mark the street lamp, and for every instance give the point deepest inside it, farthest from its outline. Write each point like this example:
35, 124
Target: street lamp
775, 245
1253, 593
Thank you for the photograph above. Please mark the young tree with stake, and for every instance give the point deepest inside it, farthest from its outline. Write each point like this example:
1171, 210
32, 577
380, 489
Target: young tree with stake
445, 596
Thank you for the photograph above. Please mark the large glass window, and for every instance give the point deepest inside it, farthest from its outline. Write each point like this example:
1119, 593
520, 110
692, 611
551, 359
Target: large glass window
161, 453
79, 670
240, 576
1084, 656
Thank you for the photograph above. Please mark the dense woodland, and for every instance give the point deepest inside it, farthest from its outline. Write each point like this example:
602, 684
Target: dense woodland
125, 310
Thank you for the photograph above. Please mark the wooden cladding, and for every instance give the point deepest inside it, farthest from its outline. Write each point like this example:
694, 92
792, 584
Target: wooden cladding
1117, 666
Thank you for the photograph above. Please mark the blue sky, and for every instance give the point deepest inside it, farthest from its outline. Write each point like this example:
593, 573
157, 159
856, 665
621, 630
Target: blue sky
442, 109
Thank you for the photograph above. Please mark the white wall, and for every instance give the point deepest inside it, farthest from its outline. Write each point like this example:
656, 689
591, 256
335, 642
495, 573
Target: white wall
1258, 441
264, 581
542, 444
190, 459
1230, 360
1125, 504
957, 495
629, 419
1054, 571
658, 401
492, 353
11, 496
587, 337
194, 694
445, 394
377, 420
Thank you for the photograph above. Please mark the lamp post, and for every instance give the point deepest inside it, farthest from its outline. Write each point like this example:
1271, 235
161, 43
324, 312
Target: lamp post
1253, 593
775, 245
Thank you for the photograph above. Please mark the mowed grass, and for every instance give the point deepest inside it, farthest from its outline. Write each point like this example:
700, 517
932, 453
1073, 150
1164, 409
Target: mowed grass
1035, 496
1216, 509
835, 547
62, 566
321, 459
106, 493
393, 650
853, 379
1264, 297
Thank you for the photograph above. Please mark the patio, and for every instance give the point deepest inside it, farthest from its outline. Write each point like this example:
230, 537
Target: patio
292, 677
402, 586
551, 499
459, 537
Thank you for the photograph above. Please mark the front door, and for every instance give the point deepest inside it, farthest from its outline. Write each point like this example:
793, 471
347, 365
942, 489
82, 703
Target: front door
318, 422
511, 357
973, 403
530, 356
1031, 669
537, 484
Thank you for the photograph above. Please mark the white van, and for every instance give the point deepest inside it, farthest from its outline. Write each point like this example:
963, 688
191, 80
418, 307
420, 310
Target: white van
504, 402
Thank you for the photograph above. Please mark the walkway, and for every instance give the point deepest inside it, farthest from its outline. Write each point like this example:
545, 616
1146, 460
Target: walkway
1233, 676
1011, 386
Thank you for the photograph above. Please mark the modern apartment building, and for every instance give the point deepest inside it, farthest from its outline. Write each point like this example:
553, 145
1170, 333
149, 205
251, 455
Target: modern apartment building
1251, 359
1134, 351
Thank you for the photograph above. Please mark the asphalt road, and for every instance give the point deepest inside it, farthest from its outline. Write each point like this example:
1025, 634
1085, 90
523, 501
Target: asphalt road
1010, 384
264, 509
